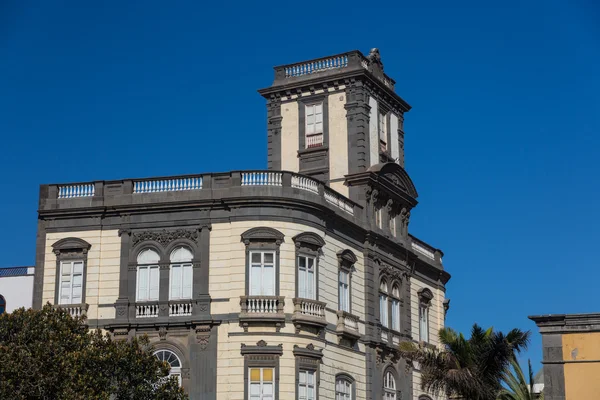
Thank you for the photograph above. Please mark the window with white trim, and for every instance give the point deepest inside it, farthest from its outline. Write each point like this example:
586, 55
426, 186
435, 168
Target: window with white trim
383, 132
396, 308
174, 363
423, 323
389, 386
306, 277
147, 275
306, 385
314, 125
343, 389
71, 282
383, 303
261, 384
344, 290
181, 274
262, 273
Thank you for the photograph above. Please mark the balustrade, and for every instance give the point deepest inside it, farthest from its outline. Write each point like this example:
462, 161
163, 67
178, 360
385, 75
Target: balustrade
79, 190
312, 67
180, 309
304, 183
146, 310
167, 185
261, 178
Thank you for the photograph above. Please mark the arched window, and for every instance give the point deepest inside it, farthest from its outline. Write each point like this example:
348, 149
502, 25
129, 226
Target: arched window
425, 297
389, 386
383, 303
181, 274
2, 305
396, 308
343, 388
147, 275
173, 361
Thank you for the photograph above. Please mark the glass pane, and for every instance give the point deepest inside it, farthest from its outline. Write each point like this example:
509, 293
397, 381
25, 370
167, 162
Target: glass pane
302, 391
311, 394
267, 375
78, 268
269, 258
256, 258
255, 390
66, 269
310, 285
318, 108
255, 374
310, 119
311, 377
302, 284
319, 127
176, 281
268, 389
268, 281
311, 263
301, 262
255, 280
302, 377
77, 280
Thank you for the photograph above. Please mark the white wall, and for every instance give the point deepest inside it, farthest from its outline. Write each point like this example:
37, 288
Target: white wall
17, 291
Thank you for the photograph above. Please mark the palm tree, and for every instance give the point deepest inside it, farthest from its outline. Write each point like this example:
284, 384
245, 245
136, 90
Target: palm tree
516, 385
470, 369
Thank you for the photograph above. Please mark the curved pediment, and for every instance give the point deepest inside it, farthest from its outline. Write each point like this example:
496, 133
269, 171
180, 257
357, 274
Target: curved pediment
309, 238
397, 176
262, 233
71, 243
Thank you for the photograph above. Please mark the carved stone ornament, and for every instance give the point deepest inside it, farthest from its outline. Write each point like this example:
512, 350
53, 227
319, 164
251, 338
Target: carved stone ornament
391, 272
261, 343
162, 333
121, 310
203, 336
386, 355
165, 237
374, 57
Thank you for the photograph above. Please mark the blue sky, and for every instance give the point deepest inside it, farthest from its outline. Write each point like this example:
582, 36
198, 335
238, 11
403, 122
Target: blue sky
501, 142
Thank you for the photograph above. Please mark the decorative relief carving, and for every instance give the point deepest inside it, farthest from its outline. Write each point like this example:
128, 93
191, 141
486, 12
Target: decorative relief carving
165, 237
386, 355
203, 336
261, 343
162, 333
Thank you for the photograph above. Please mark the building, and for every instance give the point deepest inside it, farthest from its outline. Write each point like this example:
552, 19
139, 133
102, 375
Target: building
16, 288
571, 355
298, 281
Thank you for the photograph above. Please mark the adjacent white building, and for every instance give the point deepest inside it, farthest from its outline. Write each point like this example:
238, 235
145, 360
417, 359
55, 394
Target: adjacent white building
16, 288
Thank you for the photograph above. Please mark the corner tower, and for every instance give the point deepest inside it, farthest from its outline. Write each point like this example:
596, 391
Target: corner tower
334, 117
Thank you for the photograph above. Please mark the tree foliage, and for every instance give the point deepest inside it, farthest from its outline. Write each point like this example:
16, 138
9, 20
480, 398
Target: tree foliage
47, 354
467, 368
516, 386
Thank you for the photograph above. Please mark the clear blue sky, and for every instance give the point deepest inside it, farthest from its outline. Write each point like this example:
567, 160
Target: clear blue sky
502, 142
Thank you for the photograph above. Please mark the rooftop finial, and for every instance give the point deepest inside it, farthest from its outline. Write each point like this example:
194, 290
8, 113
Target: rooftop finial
374, 57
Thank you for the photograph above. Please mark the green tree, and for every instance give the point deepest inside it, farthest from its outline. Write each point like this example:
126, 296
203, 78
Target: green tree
47, 354
471, 368
516, 386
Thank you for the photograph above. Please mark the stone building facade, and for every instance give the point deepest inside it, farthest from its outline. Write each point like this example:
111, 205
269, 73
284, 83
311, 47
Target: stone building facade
298, 281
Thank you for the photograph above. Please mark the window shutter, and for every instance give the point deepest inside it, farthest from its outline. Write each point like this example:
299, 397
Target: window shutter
154, 282
176, 281
187, 281
301, 283
310, 119
255, 279
319, 118
268, 287
310, 281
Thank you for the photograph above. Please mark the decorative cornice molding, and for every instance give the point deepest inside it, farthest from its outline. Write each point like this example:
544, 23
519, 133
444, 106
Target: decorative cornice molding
261, 348
71, 244
308, 352
262, 233
309, 238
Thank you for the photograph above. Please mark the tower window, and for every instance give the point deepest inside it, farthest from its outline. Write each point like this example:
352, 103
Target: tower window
314, 125
383, 132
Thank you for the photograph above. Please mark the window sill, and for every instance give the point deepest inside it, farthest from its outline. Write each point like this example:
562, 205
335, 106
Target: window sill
314, 149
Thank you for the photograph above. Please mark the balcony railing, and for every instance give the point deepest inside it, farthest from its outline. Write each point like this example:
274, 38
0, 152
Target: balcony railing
146, 310
314, 141
75, 310
180, 308
347, 325
309, 312
209, 187
261, 309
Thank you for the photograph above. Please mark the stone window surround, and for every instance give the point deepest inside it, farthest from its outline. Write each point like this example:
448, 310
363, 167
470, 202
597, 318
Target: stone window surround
425, 299
347, 377
71, 249
180, 353
393, 277
308, 244
164, 264
262, 239
391, 369
346, 260
308, 359
261, 355
307, 101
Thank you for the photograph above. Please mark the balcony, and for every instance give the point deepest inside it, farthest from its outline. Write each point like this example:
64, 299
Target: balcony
147, 310
75, 310
262, 310
252, 187
347, 325
180, 308
309, 313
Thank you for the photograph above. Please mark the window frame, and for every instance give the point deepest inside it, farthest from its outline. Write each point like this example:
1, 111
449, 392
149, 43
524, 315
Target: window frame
425, 298
71, 249
262, 382
303, 134
389, 393
183, 264
308, 244
72, 279
262, 239
308, 359
346, 260
306, 272
347, 379
173, 371
262, 264
396, 307
149, 267
384, 303
307, 115
261, 355
307, 386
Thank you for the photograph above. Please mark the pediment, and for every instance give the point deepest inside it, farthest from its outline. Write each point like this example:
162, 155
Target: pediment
396, 176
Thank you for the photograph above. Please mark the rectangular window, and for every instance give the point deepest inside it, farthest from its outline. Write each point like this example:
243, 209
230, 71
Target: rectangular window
147, 283
383, 309
383, 131
314, 125
393, 226
306, 278
396, 314
181, 281
344, 291
423, 324
71, 282
262, 384
306, 385
262, 273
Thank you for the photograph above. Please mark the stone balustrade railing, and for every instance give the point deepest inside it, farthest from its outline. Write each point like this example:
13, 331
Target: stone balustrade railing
261, 304
350, 61
308, 307
130, 192
423, 250
146, 310
180, 308
75, 310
